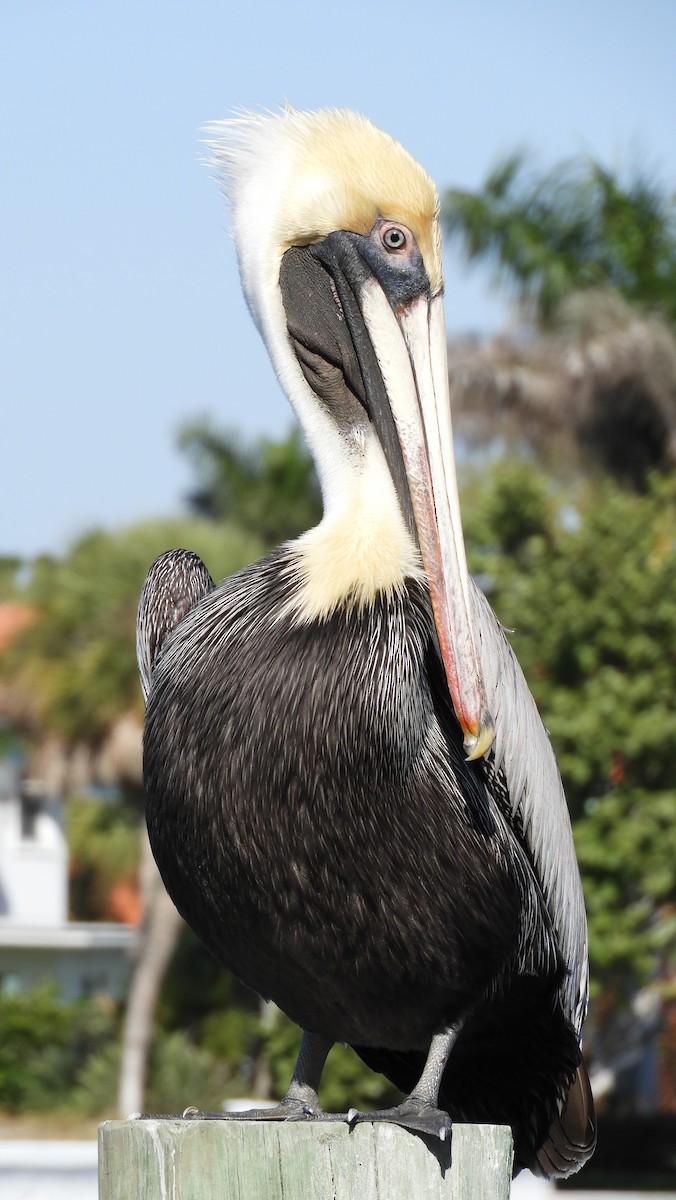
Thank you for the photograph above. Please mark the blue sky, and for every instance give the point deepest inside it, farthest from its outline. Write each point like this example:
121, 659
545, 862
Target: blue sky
121, 315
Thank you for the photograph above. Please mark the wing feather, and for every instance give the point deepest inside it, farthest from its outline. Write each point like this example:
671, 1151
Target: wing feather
524, 753
177, 580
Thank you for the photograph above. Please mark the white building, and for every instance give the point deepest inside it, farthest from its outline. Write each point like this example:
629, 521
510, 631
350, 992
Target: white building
37, 941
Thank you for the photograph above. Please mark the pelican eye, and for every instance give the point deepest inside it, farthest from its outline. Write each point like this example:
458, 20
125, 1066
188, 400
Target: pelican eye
394, 238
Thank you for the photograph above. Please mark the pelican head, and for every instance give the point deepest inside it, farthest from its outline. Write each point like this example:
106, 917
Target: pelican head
339, 246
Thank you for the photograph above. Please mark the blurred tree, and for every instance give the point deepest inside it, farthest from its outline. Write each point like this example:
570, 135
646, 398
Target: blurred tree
592, 605
268, 487
10, 568
592, 262
576, 226
44, 1043
596, 397
590, 594
72, 671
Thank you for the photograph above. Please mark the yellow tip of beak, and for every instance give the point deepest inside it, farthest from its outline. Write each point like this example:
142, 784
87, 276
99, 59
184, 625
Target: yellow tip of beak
478, 744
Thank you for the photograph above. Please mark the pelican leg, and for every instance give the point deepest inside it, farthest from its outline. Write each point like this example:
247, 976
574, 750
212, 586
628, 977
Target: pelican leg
301, 1101
419, 1111
304, 1087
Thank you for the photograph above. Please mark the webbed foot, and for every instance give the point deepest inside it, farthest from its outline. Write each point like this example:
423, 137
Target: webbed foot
291, 1108
412, 1114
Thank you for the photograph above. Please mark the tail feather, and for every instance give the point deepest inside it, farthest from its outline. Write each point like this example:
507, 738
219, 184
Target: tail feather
571, 1139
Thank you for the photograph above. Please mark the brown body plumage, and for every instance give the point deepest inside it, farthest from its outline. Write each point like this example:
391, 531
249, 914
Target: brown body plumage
310, 801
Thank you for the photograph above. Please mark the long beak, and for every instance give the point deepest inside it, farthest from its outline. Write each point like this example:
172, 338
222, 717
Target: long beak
411, 350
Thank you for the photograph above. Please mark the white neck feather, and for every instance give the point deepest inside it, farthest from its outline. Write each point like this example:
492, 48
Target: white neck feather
362, 547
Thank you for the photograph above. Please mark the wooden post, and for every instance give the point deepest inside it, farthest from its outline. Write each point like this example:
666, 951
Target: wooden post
163, 1159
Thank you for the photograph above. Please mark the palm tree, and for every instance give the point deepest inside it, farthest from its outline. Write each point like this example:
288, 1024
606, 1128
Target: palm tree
591, 379
598, 394
574, 227
268, 487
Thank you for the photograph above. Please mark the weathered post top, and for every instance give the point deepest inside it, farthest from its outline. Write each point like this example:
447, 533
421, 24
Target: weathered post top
165, 1159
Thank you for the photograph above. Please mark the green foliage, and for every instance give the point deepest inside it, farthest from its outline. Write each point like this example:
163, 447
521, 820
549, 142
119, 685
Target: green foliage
590, 593
501, 519
268, 487
595, 623
76, 662
97, 1081
10, 567
179, 1072
576, 226
626, 844
348, 1082
57, 1055
180, 1069
104, 845
44, 1044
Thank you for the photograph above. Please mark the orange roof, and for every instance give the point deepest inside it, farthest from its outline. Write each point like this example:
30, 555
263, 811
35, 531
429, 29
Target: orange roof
13, 617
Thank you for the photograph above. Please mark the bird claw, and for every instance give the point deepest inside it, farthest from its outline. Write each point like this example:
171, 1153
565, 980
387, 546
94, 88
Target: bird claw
411, 1114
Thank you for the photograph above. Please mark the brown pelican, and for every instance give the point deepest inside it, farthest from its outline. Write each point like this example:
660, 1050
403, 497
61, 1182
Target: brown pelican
350, 794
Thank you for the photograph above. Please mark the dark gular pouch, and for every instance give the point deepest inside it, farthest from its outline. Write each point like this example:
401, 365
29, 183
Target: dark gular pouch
321, 337
321, 286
